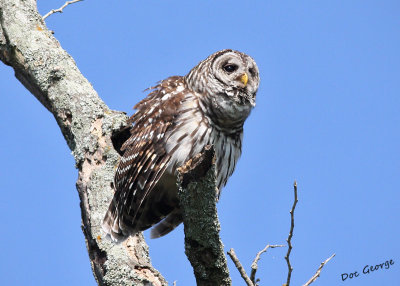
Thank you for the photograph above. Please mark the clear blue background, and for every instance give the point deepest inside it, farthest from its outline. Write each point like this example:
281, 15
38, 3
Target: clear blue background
327, 115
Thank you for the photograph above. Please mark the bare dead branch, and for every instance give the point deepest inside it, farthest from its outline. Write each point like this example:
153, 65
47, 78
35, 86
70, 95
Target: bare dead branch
60, 10
239, 267
289, 239
197, 199
318, 273
254, 265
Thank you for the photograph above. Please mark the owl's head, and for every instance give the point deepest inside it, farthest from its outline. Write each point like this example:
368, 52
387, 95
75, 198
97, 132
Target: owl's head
229, 73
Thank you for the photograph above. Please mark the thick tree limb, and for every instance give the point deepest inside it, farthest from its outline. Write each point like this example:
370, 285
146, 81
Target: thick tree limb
87, 124
197, 195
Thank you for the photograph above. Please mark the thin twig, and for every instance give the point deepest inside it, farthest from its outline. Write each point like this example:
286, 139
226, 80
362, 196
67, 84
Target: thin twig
239, 267
174, 283
254, 265
60, 10
289, 239
316, 275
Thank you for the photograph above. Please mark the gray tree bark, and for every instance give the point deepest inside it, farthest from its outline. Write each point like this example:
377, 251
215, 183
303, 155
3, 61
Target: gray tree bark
88, 125
198, 199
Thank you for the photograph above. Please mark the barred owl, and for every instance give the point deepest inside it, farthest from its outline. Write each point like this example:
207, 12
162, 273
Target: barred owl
180, 116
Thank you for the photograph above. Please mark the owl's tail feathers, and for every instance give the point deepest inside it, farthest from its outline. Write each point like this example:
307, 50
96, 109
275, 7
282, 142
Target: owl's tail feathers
167, 225
114, 227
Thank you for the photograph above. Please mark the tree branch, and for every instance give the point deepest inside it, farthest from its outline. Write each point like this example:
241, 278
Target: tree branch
252, 281
239, 267
87, 124
318, 273
254, 265
197, 196
60, 10
289, 239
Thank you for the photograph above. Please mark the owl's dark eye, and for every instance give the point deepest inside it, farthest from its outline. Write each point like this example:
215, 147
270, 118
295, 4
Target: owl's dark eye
229, 68
252, 72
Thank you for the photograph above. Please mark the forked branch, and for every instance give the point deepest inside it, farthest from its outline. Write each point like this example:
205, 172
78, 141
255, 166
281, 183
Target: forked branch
254, 265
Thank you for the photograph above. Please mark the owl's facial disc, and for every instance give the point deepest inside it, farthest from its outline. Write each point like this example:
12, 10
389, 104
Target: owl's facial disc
238, 75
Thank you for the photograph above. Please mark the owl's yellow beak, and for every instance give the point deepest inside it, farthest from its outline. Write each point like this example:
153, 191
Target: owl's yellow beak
244, 79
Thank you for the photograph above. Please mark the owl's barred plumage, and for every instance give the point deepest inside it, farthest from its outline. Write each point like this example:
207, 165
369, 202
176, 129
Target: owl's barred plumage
179, 117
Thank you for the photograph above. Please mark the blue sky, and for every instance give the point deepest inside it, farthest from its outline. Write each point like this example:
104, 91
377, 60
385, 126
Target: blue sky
327, 115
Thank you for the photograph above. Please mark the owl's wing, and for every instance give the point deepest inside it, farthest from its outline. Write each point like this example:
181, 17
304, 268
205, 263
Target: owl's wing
145, 159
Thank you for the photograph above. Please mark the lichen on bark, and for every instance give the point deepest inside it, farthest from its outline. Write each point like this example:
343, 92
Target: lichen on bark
198, 198
87, 124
